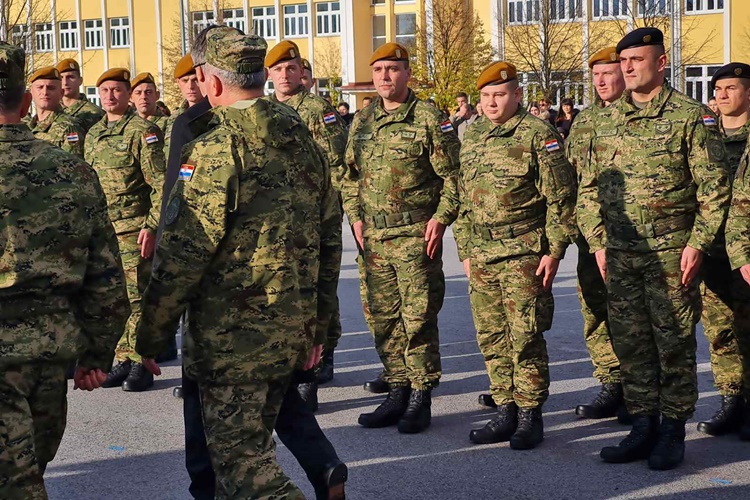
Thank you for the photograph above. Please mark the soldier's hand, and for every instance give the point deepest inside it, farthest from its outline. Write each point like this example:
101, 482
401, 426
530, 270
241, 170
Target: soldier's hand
314, 358
601, 262
690, 264
467, 267
88, 380
150, 365
147, 240
547, 270
359, 235
745, 272
434, 237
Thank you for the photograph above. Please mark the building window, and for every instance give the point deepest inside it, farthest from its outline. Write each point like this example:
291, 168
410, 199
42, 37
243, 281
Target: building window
328, 18
609, 8
703, 5
268, 89
234, 18
323, 87
69, 35
654, 7
202, 20
378, 2
94, 32
119, 32
92, 94
44, 37
523, 11
406, 28
562, 9
378, 32
296, 20
19, 35
698, 82
264, 21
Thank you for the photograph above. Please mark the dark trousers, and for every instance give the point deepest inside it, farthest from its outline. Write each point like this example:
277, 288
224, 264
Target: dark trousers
296, 427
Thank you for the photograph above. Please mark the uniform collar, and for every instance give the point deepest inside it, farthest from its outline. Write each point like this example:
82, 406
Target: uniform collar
652, 109
741, 135
508, 127
296, 100
119, 127
44, 125
15, 132
399, 114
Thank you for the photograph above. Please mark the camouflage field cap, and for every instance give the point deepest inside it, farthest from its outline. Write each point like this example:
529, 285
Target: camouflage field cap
12, 63
286, 50
184, 67
607, 55
497, 73
68, 65
232, 51
45, 73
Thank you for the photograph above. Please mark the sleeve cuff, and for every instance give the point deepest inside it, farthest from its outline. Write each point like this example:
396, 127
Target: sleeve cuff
557, 249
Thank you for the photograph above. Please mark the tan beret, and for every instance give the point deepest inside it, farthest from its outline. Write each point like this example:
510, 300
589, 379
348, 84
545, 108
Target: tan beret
68, 65
391, 52
306, 65
607, 55
184, 66
282, 51
497, 73
45, 73
140, 78
114, 74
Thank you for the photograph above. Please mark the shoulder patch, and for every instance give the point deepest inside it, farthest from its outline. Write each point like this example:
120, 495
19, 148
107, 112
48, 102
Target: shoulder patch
709, 120
151, 138
329, 118
716, 150
446, 126
186, 172
72, 137
172, 211
552, 145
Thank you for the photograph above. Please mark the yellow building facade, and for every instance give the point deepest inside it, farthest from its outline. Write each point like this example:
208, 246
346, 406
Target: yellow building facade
339, 36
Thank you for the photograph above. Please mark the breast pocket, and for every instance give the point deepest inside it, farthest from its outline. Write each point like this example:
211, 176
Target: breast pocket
665, 160
406, 170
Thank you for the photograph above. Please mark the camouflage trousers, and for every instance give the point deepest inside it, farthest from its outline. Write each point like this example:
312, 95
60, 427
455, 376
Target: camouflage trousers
239, 422
137, 273
405, 291
652, 321
726, 324
33, 408
593, 297
511, 310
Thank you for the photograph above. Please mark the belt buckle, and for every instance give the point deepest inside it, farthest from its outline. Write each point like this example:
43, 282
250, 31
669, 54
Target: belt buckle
650, 231
379, 222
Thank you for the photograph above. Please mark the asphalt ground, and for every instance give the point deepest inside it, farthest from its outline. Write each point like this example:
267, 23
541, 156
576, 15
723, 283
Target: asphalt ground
130, 446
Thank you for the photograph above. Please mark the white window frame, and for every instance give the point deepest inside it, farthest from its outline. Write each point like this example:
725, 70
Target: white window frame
664, 7
264, 21
268, 87
571, 9
234, 18
68, 31
92, 94
44, 37
328, 18
119, 32
704, 6
381, 39
703, 82
296, 20
528, 9
411, 36
605, 9
19, 35
201, 19
93, 30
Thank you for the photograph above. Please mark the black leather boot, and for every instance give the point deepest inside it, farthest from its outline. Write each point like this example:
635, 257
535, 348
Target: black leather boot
745, 428
604, 405
727, 419
378, 385
139, 379
500, 428
418, 415
308, 391
331, 485
487, 401
325, 373
530, 431
390, 411
637, 445
670, 448
118, 374
177, 392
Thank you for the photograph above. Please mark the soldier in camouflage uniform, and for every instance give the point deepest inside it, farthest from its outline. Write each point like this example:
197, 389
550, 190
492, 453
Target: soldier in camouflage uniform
50, 123
328, 130
63, 295
144, 96
726, 303
609, 85
74, 103
126, 151
399, 195
652, 200
515, 220
249, 227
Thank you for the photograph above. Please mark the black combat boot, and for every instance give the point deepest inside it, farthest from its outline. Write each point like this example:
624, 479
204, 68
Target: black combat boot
745, 428
727, 419
418, 415
308, 391
670, 448
604, 405
177, 392
500, 428
530, 431
378, 385
331, 485
118, 374
139, 379
637, 445
623, 417
390, 411
325, 373
487, 401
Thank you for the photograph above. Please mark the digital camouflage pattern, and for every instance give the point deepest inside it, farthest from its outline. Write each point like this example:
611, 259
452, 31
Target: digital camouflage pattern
60, 130
63, 298
402, 169
160, 120
592, 293
657, 181
249, 225
86, 113
129, 159
517, 193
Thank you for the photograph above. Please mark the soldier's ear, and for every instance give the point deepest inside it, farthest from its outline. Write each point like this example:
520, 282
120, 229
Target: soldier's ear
25, 103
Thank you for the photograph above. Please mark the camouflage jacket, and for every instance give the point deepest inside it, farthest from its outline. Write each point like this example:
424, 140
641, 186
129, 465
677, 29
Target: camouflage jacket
581, 132
129, 159
248, 226
402, 165
516, 191
326, 127
60, 130
738, 223
160, 120
63, 290
87, 113
657, 179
